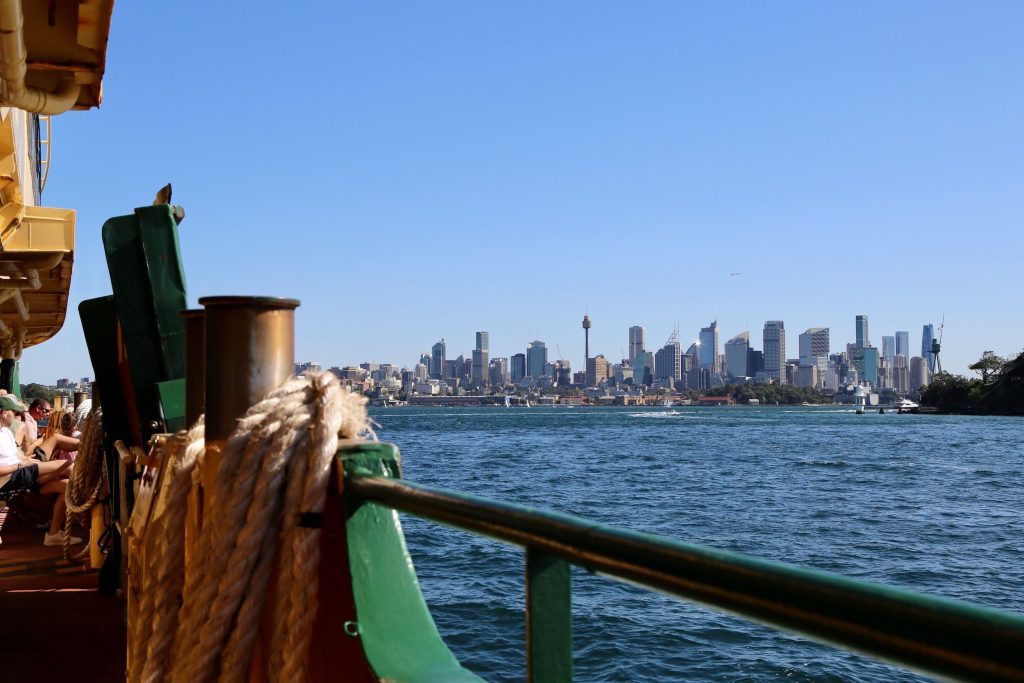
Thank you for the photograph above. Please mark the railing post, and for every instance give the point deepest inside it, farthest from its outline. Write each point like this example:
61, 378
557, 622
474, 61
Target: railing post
548, 619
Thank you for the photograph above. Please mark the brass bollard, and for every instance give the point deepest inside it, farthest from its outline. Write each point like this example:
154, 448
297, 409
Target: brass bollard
195, 364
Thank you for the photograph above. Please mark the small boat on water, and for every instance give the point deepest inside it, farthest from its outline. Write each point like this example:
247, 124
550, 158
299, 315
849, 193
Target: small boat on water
905, 404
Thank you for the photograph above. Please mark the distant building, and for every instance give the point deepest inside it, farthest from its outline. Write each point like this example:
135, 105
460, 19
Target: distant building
755, 362
310, 366
498, 372
814, 343
598, 370
437, 360
737, 352
666, 362
517, 367
481, 366
918, 373
536, 359
903, 344
482, 341
421, 372
643, 368
775, 350
862, 332
889, 349
636, 341
709, 347
927, 337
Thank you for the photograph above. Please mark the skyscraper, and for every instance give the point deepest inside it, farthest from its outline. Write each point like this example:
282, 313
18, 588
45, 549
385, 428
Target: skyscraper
814, 343
737, 350
498, 372
903, 344
586, 341
482, 341
889, 349
636, 341
927, 337
862, 332
437, 359
666, 361
518, 370
536, 359
774, 340
709, 347
480, 368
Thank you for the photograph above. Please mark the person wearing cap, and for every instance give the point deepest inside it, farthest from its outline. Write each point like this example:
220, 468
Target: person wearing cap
27, 434
19, 472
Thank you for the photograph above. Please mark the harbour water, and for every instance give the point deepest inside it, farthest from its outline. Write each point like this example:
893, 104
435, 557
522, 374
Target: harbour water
927, 503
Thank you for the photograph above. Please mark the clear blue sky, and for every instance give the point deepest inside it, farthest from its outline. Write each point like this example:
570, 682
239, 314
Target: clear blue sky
413, 171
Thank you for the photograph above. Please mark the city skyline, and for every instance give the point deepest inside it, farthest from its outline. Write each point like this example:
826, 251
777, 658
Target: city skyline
685, 162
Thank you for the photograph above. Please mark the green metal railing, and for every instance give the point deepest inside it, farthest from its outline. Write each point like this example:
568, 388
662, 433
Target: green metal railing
945, 637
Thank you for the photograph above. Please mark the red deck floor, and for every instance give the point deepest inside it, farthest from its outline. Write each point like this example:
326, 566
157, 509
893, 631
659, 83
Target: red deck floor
54, 623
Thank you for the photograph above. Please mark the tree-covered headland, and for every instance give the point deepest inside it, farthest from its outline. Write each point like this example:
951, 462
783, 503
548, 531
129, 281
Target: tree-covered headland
998, 391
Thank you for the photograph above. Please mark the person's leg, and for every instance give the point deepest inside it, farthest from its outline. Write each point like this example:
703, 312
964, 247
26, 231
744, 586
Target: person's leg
57, 486
53, 469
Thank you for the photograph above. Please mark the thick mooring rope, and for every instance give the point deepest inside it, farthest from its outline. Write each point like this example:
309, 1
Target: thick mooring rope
272, 470
87, 476
156, 620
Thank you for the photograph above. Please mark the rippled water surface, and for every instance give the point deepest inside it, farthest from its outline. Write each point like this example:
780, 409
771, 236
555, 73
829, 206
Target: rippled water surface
921, 502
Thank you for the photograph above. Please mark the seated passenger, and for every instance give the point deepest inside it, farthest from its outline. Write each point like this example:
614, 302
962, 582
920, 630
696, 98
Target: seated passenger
19, 472
67, 428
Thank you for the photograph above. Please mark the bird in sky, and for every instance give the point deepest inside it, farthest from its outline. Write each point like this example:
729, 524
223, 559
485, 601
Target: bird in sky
733, 274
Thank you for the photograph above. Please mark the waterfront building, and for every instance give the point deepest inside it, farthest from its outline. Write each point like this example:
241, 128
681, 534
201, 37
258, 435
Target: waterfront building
636, 341
709, 347
807, 376
481, 366
927, 337
536, 358
862, 332
517, 367
774, 342
437, 360
889, 349
831, 380
737, 352
903, 344
814, 343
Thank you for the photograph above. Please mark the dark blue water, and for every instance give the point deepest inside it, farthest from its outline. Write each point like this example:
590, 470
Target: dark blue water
926, 503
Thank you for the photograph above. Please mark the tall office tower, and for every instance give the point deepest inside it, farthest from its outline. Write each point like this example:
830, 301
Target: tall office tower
421, 371
862, 332
900, 374
814, 343
498, 371
870, 366
636, 341
755, 362
482, 341
666, 362
737, 350
425, 359
518, 367
918, 373
479, 376
774, 340
889, 348
643, 368
437, 359
598, 370
709, 347
903, 344
927, 337
536, 358
586, 340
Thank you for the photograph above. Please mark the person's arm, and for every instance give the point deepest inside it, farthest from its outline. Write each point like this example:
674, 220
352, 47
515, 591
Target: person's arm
9, 469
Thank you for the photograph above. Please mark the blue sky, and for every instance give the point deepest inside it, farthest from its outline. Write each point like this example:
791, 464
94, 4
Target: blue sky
413, 171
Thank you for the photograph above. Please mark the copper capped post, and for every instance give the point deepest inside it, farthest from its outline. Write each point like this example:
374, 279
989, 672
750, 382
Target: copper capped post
195, 364
250, 350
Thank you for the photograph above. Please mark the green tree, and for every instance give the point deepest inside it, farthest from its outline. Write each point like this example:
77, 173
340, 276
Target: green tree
33, 391
988, 366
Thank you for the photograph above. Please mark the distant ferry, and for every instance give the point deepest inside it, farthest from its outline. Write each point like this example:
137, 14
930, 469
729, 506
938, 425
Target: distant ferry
905, 404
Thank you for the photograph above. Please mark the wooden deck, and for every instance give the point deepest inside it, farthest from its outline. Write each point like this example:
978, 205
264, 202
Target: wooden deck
54, 623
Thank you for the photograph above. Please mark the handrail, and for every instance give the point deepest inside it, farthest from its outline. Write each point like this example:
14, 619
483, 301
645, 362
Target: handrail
940, 636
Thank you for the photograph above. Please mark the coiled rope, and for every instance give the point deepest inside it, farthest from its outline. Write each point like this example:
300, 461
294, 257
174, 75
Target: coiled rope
87, 478
272, 470
156, 619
